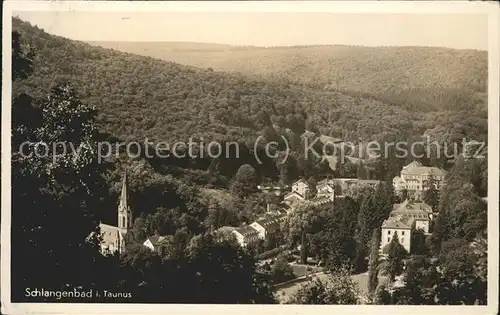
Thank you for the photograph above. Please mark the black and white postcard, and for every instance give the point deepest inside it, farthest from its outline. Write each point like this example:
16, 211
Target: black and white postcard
241, 157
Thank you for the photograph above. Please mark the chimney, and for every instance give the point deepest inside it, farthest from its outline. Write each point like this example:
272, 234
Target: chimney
268, 207
332, 195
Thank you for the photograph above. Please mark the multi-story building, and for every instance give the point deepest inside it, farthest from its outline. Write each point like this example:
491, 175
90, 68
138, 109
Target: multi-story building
246, 235
268, 225
325, 192
414, 178
420, 212
300, 191
344, 185
400, 226
403, 220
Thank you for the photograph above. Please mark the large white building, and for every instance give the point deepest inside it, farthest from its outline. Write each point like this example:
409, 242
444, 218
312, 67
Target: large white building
268, 225
300, 192
402, 227
404, 219
246, 235
414, 177
325, 193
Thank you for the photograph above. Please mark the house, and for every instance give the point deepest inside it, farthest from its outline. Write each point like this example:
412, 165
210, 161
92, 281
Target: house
113, 237
414, 177
325, 188
300, 191
344, 185
279, 209
325, 192
403, 220
400, 226
154, 242
419, 211
246, 235
268, 225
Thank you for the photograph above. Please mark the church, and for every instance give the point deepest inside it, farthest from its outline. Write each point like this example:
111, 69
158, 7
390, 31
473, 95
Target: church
113, 237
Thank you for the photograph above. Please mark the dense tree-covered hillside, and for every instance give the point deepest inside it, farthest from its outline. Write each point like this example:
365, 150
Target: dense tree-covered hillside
421, 78
139, 97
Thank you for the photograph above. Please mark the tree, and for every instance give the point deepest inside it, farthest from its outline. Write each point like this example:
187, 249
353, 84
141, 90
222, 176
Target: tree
373, 211
418, 243
22, 58
362, 172
373, 262
430, 193
404, 194
382, 296
61, 184
214, 166
312, 182
462, 213
245, 181
287, 167
219, 216
281, 271
393, 264
338, 288
304, 252
420, 277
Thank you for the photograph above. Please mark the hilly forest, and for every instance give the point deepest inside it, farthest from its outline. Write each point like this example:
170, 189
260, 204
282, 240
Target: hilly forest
72, 91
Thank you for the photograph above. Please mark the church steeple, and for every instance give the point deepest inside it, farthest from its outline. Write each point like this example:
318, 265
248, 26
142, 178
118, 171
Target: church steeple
124, 212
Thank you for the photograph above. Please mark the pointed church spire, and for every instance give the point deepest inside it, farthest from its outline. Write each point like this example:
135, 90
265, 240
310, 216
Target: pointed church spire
124, 195
124, 212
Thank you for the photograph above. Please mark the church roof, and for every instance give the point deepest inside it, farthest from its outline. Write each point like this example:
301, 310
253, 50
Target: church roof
109, 233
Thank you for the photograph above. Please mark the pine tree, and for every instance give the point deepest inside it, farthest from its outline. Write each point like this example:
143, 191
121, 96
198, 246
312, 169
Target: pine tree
373, 262
431, 193
393, 264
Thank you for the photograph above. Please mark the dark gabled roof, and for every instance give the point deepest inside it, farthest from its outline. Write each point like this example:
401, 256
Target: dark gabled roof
412, 207
321, 199
246, 230
157, 239
300, 180
395, 223
271, 220
293, 193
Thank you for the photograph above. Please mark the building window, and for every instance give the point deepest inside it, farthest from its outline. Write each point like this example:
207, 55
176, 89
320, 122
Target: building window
403, 240
402, 232
389, 232
388, 240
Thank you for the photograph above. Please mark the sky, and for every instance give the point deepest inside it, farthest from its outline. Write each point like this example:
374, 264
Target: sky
461, 31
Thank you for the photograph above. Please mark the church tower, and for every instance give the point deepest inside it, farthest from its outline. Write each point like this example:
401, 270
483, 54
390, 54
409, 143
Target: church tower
124, 212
